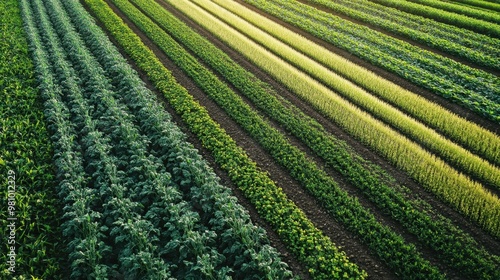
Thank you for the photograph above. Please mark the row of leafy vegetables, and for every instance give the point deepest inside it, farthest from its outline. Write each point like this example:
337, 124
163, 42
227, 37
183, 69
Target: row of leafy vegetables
138, 200
171, 35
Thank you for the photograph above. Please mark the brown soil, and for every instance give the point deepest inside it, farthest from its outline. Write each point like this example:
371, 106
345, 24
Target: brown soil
357, 251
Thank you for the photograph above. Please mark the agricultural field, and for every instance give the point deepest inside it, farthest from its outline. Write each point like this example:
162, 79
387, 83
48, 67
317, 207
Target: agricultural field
250, 139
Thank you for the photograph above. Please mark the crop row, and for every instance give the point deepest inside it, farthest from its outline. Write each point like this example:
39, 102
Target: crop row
416, 131
476, 48
66, 157
448, 240
474, 89
116, 192
467, 134
242, 243
472, 12
26, 171
490, 5
343, 208
478, 25
320, 256
467, 196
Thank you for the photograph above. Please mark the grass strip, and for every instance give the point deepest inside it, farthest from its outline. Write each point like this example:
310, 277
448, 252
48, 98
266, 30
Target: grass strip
468, 11
472, 88
441, 15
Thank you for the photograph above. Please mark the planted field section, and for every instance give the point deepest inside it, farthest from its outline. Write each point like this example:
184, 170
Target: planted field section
485, 4
418, 132
30, 248
472, 88
482, 22
139, 200
433, 173
467, 134
471, 12
360, 173
478, 49
322, 259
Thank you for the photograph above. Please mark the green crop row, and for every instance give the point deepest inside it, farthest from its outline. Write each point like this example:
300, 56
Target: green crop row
321, 257
467, 196
470, 135
243, 246
154, 232
343, 208
26, 170
68, 161
482, 4
476, 48
463, 21
457, 248
104, 180
461, 10
474, 89
450, 152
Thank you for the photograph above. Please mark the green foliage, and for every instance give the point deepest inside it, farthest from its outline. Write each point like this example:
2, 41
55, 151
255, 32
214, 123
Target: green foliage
472, 88
439, 14
25, 149
468, 17
294, 228
476, 48
458, 249
480, 3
